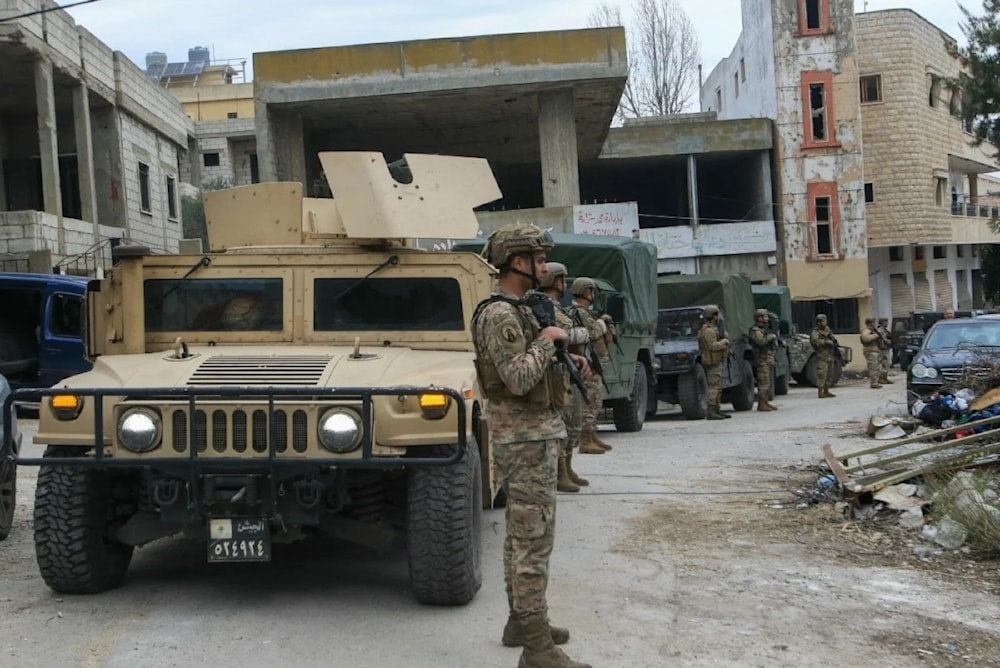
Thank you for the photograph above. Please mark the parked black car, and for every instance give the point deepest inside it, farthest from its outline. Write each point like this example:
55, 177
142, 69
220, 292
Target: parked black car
952, 353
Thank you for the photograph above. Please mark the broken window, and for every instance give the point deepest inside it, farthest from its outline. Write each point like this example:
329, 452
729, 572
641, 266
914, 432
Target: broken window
743, 70
918, 253
935, 90
869, 192
955, 104
871, 88
824, 227
940, 253
145, 198
736, 84
895, 253
817, 109
210, 159
812, 14
171, 198
718, 100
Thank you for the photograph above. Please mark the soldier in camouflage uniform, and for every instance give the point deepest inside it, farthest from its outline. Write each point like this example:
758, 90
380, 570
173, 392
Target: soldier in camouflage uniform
714, 351
514, 363
765, 355
869, 343
824, 343
601, 331
553, 284
884, 350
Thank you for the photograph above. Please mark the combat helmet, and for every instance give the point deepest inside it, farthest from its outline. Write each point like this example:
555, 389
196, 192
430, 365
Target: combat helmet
821, 317
760, 313
515, 238
553, 270
710, 311
581, 285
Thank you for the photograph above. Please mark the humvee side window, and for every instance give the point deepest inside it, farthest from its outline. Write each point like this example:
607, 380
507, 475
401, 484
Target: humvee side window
394, 304
214, 305
678, 323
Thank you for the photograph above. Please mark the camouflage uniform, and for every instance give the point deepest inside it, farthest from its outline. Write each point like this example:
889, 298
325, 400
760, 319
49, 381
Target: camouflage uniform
765, 349
599, 331
869, 343
884, 351
573, 412
714, 351
824, 343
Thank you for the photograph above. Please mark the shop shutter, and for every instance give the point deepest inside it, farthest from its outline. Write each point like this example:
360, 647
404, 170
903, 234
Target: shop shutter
902, 296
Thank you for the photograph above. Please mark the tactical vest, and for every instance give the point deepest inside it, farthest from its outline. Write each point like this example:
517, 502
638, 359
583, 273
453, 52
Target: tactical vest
710, 357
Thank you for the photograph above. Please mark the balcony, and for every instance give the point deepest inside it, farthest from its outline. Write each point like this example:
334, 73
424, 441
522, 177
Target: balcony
972, 207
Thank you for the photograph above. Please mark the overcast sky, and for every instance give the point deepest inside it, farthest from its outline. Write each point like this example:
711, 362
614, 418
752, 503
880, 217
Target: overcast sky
238, 28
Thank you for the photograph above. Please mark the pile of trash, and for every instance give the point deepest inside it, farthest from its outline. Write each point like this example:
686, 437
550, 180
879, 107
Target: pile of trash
946, 409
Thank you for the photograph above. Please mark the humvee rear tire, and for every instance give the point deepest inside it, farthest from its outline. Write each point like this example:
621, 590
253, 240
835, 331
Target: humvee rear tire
73, 510
444, 530
837, 370
780, 385
692, 393
8, 495
630, 412
743, 394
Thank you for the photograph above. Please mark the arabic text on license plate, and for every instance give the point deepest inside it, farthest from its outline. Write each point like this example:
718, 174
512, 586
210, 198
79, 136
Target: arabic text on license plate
239, 539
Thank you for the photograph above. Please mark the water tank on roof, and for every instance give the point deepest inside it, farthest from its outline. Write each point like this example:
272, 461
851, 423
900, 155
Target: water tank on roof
199, 54
157, 58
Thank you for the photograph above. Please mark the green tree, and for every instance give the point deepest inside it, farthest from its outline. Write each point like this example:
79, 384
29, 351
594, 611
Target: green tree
981, 87
193, 211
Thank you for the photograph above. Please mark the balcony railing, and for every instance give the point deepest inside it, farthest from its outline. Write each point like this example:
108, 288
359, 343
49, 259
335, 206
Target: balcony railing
973, 208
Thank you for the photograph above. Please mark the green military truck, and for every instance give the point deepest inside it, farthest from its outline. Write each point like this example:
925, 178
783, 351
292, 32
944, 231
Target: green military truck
680, 377
625, 272
778, 302
801, 356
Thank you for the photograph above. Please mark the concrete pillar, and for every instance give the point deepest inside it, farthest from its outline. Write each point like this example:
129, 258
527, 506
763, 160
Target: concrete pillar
194, 162
692, 174
3, 156
85, 156
557, 144
48, 140
265, 149
290, 148
974, 193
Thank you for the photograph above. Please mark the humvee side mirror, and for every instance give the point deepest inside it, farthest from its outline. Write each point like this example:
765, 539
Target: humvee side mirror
614, 306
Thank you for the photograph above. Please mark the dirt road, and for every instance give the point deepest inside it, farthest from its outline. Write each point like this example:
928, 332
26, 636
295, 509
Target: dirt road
675, 555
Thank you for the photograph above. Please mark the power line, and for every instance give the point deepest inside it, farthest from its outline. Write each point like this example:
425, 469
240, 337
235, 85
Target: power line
45, 10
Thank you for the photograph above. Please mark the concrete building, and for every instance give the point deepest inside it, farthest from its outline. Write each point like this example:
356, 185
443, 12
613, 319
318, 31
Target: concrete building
796, 63
927, 206
90, 148
216, 97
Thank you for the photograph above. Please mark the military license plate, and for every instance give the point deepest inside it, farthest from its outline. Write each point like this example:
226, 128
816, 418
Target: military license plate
239, 539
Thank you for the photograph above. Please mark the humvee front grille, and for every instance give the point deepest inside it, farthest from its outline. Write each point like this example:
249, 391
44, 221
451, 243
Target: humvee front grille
229, 433
288, 370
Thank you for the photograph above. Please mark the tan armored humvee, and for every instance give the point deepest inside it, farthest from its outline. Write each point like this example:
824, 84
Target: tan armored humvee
312, 373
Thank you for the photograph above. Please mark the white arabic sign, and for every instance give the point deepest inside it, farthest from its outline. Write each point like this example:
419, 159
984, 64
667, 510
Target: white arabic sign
617, 219
712, 239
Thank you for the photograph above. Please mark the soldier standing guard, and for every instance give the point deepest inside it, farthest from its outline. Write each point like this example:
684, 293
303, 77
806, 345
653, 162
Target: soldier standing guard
870, 345
824, 343
714, 351
553, 284
514, 358
884, 350
584, 290
765, 354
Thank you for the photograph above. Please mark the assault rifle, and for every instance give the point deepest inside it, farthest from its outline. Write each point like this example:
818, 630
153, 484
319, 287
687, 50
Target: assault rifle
838, 354
544, 310
588, 348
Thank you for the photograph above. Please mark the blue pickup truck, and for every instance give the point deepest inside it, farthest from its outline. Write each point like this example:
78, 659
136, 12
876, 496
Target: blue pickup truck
42, 319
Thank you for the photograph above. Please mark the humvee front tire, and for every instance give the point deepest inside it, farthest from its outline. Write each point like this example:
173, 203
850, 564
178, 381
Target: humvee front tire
692, 393
630, 412
8, 495
74, 508
444, 530
743, 395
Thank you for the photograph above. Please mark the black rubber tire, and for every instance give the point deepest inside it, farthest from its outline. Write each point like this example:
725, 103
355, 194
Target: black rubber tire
630, 412
73, 509
780, 385
692, 394
8, 495
838, 372
744, 394
444, 530
809, 372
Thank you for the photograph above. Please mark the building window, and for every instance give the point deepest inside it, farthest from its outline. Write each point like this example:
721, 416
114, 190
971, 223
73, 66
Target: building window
743, 70
841, 314
171, 198
814, 16
940, 253
254, 169
955, 103
145, 199
210, 159
736, 83
940, 190
918, 253
869, 193
895, 253
817, 109
934, 95
824, 215
232, 114
959, 251
718, 99
871, 88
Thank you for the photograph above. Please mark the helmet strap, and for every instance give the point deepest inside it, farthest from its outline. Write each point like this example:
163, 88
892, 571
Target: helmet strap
533, 277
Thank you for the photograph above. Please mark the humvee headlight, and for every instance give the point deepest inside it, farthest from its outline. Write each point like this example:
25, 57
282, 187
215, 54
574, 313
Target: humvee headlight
434, 406
66, 406
340, 430
139, 429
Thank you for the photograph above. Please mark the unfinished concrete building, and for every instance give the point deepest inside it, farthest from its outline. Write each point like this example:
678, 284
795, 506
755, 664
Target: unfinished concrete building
89, 147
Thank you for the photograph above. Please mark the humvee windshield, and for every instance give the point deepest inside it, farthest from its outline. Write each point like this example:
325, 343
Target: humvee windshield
398, 304
213, 305
678, 323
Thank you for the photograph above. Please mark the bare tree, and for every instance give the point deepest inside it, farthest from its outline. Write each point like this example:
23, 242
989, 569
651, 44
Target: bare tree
663, 56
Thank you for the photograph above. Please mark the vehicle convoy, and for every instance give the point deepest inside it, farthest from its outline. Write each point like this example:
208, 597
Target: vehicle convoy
681, 378
312, 374
625, 272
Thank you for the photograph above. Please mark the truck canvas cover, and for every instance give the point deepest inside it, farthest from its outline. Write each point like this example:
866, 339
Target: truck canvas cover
775, 298
730, 292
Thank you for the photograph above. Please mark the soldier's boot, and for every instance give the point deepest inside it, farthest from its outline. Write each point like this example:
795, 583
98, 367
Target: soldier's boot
884, 380
563, 482
821, 392
763, 405
876, 386
589, 446
827, 394
600, 442
772, 406
715, 414
539, 648
582, 482
513, 636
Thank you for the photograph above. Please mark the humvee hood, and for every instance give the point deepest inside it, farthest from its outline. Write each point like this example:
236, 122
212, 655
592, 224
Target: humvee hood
298, 367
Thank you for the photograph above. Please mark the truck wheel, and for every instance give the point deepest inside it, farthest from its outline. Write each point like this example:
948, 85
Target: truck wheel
692, 394
8, 495
630, 412
836, 373
743, 395
809, 373
74, 510
444, 530
781, 385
